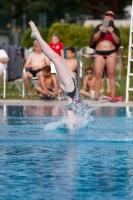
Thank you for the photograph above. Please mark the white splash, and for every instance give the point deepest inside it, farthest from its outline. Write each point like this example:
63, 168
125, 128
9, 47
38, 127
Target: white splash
81, 121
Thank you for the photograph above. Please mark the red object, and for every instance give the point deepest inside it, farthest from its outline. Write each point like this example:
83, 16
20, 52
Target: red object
107, 36
57, 47
118, 98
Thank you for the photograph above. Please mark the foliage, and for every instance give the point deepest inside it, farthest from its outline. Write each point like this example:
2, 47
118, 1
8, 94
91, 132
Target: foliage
27, 41
71, 34
15, 8
124, 32
62, 9
77, 36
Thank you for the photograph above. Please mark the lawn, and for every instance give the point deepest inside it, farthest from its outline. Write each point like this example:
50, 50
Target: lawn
14, 93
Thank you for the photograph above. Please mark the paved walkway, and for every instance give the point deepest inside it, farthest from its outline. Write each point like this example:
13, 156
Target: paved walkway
62, 103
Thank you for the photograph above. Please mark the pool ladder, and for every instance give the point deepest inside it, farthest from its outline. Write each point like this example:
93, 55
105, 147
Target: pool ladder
130, 58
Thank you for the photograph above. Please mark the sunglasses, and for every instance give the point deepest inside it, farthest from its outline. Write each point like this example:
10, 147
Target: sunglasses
109, 15
89, 73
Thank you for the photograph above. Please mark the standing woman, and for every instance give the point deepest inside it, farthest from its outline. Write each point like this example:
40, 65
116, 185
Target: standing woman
106, 43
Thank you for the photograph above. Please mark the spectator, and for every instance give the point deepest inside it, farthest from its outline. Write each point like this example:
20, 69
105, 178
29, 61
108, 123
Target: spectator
70, 60
48, 83
88, 82
56, 45
3, 60
106, 42
34, 64
3, 63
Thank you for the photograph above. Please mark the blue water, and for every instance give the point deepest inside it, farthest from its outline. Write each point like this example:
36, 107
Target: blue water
94, 162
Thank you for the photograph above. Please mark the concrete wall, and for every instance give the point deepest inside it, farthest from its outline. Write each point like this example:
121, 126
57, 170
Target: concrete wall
4, 40
117, 22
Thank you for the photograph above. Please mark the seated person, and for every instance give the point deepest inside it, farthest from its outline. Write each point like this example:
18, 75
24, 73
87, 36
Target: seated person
3, 60
48, 83
71, 60
88, 82
34, 64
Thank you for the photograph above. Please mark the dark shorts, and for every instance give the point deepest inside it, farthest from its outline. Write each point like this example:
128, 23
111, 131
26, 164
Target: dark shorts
105, 54
33, 72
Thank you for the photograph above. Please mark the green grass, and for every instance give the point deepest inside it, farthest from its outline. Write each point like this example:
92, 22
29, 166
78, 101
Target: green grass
13, 93
121, 91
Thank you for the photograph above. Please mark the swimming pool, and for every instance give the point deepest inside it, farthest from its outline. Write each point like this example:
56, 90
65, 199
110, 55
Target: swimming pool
94, 162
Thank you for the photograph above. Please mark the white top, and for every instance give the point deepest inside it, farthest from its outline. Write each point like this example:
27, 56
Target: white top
3, 54
53, 70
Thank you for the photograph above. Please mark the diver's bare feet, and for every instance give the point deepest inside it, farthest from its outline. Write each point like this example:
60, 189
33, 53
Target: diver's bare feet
34, 29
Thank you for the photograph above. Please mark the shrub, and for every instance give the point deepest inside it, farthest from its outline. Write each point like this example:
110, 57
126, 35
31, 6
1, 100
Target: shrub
71, 34
74, 35
27, 41
124, 32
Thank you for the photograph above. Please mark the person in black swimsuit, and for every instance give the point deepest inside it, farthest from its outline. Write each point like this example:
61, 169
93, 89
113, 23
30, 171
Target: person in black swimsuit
66, 77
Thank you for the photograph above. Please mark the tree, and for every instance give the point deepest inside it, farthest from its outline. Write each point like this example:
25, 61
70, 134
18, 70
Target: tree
58, 9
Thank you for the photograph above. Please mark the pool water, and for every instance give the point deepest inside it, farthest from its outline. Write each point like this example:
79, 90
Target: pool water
94, 162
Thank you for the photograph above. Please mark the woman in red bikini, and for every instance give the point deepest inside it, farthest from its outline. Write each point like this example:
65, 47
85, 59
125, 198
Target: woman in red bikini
106, 43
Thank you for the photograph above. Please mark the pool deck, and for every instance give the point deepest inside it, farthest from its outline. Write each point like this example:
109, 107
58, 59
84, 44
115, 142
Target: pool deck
62, 103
